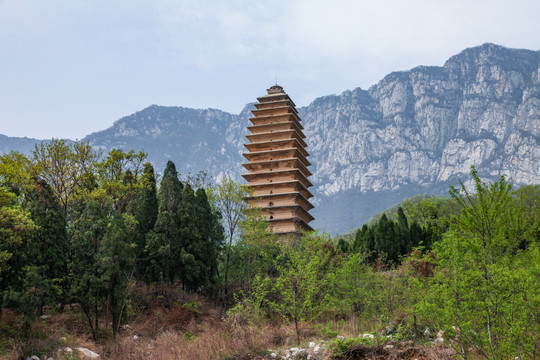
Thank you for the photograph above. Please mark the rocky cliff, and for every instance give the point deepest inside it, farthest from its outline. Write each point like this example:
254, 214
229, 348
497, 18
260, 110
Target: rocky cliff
430, 124
415, 131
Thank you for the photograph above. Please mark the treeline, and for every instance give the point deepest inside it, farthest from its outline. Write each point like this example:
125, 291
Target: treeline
81, 227
418, 223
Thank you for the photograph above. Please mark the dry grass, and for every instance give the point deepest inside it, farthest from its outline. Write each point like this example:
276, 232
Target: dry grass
212, 341
169, 324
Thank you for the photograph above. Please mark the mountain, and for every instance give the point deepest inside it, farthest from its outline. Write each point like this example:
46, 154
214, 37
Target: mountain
416, 131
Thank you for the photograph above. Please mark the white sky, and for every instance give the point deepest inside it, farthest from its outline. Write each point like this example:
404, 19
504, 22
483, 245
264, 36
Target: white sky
72, 67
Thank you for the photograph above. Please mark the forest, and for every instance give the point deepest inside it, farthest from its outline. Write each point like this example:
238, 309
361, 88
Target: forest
98, 250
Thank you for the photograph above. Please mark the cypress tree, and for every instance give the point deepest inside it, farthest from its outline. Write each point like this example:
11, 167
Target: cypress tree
212, 234
161, 263
89, 287
404, 233
163, 243
364, 242
170, 189
145, 210
416, 234
386, 239
190, 248
117, 257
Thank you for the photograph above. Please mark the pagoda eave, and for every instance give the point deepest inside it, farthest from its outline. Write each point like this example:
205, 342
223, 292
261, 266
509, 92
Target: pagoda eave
266, 166
279, 187
276, 136
288, 152
293, 174
276, 145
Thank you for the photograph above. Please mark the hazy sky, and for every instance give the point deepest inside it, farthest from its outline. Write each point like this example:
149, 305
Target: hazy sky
72, 67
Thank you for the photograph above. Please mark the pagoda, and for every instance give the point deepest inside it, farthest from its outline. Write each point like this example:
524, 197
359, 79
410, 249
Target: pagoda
277, 164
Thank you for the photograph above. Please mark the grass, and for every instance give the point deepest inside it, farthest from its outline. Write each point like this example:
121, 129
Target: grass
165, 323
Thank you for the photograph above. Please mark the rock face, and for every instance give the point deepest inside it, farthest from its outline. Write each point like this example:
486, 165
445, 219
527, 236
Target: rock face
430, 124
416, 131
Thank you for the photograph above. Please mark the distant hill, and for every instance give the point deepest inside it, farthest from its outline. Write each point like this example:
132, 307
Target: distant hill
415, 131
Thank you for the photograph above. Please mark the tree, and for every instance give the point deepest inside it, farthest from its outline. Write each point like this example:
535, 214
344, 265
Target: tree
528, 199
212, 234
16, 226
481, 251
194, 269
228, 197
89, 286
48, 249
163, 243
301, 283
364, 242
255, 251
117, 179
404, 232
16, 173
386, 244
116, 260
170, 190
163, 264
64, 165
144, 208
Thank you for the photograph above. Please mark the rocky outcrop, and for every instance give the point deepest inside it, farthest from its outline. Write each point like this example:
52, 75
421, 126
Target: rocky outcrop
430, 124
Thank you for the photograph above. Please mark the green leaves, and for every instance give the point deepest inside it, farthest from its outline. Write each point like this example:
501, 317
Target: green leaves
484, 285
15, 226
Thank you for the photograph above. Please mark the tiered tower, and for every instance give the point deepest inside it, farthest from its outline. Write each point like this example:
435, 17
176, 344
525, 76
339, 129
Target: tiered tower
278, 165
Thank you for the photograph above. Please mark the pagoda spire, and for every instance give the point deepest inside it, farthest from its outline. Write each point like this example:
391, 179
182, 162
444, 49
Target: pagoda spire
277, 163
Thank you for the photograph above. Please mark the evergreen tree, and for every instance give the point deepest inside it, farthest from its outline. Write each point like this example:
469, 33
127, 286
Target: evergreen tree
416, 235
387, 243
162, 264
164, 244
344, 246
191, 248
212, 234
170, 190
404, 233
89, 288
364, 242
48, 249
145, 210
117, 261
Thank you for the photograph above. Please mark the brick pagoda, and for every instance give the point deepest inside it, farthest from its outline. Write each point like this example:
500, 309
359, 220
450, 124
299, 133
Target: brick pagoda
277, 164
